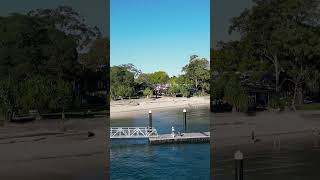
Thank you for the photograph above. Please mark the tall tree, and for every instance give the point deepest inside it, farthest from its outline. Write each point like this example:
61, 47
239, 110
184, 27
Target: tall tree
122, 82
66, 19
132, 68
197, 71
282, 34
98, 55
144, 79
159, 77
266, 25
33, 55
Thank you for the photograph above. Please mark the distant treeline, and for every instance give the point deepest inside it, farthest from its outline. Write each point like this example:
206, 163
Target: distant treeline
128, 81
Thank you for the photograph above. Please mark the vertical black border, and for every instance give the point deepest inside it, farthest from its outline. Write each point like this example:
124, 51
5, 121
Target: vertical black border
211, 100
107, 168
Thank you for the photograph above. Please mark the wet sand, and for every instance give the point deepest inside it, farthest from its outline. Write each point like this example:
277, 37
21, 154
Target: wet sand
294, 157
42, 150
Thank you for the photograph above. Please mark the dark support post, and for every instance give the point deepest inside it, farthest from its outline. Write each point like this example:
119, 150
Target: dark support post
252, 135
185, 119
150, 119
315, 143
238, 157
315, 133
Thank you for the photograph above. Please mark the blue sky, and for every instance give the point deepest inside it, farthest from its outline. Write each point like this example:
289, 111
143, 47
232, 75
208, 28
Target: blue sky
159, 34
223, 11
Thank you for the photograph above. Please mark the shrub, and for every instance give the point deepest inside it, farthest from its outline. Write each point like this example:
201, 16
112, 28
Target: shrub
236, 95
279, 102
174, 89
147, 92
183, 90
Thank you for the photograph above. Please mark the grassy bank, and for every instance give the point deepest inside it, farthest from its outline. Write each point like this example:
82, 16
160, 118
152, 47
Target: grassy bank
313, 106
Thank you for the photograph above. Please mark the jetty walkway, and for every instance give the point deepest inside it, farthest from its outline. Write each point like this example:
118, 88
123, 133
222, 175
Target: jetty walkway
154, 138
195, 137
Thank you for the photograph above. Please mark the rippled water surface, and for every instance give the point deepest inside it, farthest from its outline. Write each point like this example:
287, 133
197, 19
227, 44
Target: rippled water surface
136, 159
295, 161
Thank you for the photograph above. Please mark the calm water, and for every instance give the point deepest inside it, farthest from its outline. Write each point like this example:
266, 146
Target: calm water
136, 159
295, 161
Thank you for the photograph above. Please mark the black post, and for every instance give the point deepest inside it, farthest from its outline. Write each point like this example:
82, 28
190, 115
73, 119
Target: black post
185, 119
252, 135
150, 119
238, 157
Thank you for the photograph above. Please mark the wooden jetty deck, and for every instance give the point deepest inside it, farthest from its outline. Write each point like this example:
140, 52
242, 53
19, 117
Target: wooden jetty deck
196, 137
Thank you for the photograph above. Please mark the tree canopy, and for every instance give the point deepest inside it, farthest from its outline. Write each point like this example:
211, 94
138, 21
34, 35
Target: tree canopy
67, 20
278, 37
122, 82
127, 80
198, 72
159, 77
36, 61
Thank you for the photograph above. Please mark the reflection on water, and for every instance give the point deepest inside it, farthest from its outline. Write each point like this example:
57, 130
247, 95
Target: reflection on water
136, 159
197, 120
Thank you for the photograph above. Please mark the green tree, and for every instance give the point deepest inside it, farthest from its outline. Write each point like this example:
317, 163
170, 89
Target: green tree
236, 95
198, 72
60, 96
145, 79
181, 80
281, 37
132, 68
98, 54
183, 90
148, 92
32, 55
269, 26
67, 20
159, 77
174, 89
122, 82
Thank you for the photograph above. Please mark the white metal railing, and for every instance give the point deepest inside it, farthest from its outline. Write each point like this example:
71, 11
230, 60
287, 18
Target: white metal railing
133, 132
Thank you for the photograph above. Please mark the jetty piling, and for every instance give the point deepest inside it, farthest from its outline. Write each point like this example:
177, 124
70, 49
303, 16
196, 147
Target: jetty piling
315, 143
150, 119
185, 119
238, 157
315, 134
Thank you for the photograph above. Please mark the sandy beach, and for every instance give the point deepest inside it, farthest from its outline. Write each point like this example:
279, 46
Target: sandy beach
126, 108
42, 150
235, 128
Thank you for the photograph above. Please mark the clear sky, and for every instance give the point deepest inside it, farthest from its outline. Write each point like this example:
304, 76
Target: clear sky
159, 34
222, 12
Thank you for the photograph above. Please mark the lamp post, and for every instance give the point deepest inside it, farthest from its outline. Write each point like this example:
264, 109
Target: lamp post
238, 157
185, 119
150, 119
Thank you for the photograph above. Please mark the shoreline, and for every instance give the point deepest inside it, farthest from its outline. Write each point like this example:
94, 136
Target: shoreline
127, 108
42, 146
